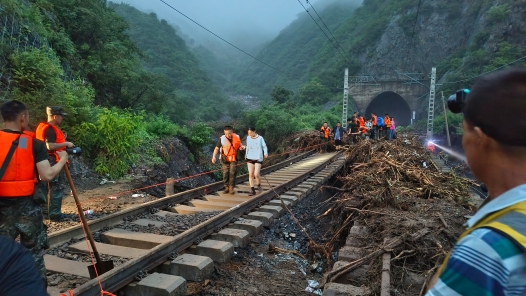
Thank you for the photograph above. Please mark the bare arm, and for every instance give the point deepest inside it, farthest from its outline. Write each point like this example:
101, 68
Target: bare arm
48, 172
214, 156
432, 282
55, 146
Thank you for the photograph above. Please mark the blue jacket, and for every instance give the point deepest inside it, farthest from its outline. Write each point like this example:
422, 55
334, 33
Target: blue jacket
380, 121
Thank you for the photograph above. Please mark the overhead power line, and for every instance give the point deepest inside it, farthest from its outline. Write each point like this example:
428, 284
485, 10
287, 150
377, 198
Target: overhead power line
299, 1
270, 66
336, 40
498, 68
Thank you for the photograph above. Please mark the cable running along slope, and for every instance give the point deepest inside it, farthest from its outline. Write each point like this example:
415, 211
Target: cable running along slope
343, 56
222, 38
336, 40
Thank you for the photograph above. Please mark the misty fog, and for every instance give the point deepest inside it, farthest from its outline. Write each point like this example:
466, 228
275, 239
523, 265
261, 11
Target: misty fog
245, 23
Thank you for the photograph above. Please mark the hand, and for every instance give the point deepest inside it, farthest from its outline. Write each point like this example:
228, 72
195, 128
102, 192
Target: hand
242, 147
62, 155
70, 145
265, 156
214, 160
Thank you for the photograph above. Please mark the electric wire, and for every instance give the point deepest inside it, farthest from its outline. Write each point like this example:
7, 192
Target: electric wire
476, 76
268, 65
336, 40
343, 56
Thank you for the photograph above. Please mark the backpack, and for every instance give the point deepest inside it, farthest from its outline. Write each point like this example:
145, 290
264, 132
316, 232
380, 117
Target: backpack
380, 121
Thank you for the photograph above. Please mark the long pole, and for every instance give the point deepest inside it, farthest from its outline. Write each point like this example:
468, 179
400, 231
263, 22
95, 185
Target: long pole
445, 117
81, 214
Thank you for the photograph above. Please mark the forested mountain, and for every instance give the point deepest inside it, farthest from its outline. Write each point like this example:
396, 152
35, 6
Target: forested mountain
300, 52
382, 37
118, 91
166, 54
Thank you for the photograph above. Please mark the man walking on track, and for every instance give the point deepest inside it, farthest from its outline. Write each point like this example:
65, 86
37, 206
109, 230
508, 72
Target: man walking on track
228, 146
339, 131
256, 152
490, 256
20, 215
55, 141
325, 131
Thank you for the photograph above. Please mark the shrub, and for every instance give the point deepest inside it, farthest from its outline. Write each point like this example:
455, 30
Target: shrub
162, 126
112, 139
498, 13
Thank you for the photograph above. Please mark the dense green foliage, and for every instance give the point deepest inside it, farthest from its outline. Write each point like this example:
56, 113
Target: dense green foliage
166, 54
120, 93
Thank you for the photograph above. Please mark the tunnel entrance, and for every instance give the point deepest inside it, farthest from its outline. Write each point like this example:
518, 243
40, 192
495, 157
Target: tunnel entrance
392, 103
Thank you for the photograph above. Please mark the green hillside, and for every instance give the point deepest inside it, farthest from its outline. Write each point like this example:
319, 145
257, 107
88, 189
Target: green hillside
166, 54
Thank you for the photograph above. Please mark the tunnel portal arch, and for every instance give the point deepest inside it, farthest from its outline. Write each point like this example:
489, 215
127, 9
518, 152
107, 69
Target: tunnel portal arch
393, 104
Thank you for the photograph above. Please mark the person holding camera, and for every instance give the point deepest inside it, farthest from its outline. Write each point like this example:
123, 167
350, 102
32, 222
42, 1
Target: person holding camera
55, 141
490, 256
20, 154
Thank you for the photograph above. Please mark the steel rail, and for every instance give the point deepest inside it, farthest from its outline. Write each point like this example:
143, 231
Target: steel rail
65, 235
125, 273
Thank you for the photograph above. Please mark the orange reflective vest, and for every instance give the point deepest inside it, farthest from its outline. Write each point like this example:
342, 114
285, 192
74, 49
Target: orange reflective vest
375, 120
29, 133
230, 147
387, 122
19, 178
41, 135
326, 131
362, 122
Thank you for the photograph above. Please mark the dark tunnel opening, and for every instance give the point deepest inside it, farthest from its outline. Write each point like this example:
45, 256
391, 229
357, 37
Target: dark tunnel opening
392, 103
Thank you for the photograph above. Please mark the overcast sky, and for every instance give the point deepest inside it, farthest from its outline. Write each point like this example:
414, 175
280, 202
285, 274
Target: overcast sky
232, 19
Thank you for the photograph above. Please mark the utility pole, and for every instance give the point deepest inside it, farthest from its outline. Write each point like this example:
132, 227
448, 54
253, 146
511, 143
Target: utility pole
345, 98
445, 118
431, 110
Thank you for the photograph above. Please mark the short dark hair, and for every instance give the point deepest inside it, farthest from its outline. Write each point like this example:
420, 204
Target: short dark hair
386, 114
252, 129
228, 128
504, 91
11, 109
338, 122
325, 122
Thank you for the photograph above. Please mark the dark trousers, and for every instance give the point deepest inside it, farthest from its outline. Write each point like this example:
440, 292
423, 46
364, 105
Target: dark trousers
55, 188
229, 173
23, 216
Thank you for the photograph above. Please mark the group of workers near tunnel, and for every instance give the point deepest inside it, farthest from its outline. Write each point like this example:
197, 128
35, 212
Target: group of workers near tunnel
488, 259
375, 127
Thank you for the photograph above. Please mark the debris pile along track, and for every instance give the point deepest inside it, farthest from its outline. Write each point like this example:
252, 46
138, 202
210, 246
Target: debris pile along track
148, 251
390, 202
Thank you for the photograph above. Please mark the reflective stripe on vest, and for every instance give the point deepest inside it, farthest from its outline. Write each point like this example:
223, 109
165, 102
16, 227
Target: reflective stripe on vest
19, 178
230, 146
41, 135
510, 222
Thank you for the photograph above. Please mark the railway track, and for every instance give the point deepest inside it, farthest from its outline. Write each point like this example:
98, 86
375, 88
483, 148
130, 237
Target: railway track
292, 179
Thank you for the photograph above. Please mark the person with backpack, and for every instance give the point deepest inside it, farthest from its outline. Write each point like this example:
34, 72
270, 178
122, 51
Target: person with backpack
256, 152
379, 127
228, 146
489, 257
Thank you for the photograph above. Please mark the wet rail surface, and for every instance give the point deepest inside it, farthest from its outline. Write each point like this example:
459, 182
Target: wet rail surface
292, 180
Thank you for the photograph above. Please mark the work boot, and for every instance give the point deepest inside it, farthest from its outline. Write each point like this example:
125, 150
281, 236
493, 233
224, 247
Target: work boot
252, 191
231, 190
226, 190
259, 187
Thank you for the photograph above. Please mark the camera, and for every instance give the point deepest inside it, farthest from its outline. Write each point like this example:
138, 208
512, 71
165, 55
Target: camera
74, 151
456, 102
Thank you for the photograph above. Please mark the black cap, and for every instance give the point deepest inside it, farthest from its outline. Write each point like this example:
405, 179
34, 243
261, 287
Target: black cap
55, 110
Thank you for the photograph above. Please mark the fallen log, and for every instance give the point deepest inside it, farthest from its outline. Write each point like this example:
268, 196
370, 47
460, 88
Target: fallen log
391, 244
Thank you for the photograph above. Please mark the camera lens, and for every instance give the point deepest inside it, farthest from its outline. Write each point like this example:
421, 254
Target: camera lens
453, 105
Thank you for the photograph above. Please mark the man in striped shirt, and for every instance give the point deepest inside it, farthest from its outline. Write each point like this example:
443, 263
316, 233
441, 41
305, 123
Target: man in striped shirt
490, 256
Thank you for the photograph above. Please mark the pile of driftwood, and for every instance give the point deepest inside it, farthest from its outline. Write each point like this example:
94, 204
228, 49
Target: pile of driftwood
412, 210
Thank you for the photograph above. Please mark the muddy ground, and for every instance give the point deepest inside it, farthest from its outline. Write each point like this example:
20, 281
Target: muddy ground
256, 271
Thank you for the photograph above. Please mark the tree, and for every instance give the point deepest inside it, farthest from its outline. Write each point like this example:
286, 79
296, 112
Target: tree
314, 92
281, 95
